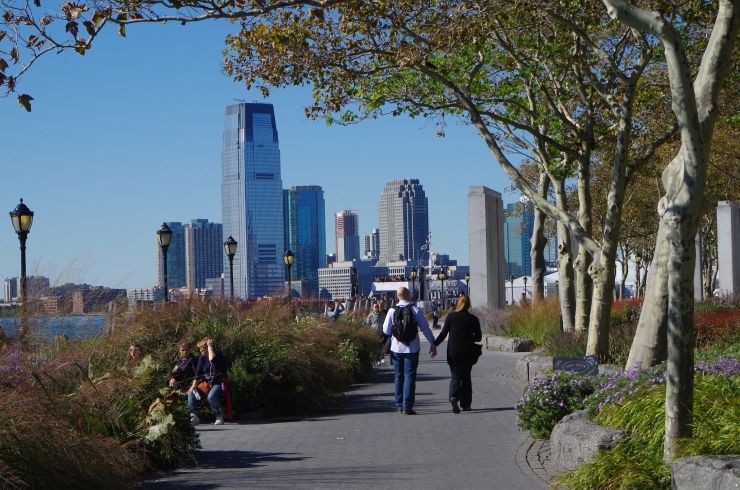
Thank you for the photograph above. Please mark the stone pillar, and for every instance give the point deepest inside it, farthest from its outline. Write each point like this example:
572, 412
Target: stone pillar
698, 286
486, 245
728, 247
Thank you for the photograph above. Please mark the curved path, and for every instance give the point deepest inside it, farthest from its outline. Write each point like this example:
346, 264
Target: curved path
366, 444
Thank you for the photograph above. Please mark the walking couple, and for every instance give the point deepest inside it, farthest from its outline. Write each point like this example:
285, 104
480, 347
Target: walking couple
464, 331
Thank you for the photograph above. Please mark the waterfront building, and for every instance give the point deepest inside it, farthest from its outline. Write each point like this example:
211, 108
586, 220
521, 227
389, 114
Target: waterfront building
404, 221
305, 235
372, 245
518, 230
252, 199
203, 252
10, 289
335, 280
147, 295
176, 277
346, 226
216, 286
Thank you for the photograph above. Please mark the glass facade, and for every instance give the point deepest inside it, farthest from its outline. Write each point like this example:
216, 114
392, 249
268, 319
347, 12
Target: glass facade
203, 252
346, 228
518, 230
175, 258
404, 221
252, 199
305, 234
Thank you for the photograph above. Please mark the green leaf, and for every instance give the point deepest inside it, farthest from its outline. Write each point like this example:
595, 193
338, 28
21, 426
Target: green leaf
24, 101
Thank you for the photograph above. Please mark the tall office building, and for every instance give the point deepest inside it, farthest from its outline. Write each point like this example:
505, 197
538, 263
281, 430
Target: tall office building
372, 245
252, 199
305, 234
10, 289
346, 224
175, 258
518, 230
404, 221
204, 252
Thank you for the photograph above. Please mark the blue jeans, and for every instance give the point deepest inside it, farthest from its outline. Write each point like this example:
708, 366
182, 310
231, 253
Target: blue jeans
214, 400
404, 368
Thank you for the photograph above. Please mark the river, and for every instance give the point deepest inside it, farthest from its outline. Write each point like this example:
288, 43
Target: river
73, 326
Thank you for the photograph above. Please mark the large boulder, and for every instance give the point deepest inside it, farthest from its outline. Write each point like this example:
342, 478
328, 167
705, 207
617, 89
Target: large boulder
533, 365
507, 344
575, 440
706, 472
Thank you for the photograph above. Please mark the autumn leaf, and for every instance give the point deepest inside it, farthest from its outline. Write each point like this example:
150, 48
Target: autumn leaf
24, 100
72, 28
3, 65
14, 54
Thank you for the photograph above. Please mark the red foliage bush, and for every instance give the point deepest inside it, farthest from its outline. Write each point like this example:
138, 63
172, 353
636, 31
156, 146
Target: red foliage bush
716, 326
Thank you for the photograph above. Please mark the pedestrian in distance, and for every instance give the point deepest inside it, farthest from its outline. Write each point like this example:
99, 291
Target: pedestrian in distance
464, 330
403, 323
375, 319
436, 313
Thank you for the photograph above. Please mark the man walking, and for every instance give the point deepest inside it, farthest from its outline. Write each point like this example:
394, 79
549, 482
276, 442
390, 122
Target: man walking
402, 323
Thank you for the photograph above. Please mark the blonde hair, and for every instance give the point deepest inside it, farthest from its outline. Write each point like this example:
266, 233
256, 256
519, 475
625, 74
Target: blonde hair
203, 343
463, 302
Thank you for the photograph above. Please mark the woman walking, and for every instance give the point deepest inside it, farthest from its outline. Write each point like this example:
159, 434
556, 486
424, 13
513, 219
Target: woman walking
464, 330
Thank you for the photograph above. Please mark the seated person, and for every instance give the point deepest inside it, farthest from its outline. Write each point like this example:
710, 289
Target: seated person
184, 370
209, 372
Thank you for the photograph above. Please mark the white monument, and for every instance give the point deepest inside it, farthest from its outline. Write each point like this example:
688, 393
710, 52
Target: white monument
728, 247
486, 242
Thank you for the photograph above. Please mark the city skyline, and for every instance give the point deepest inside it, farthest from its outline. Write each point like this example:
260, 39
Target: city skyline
159, 143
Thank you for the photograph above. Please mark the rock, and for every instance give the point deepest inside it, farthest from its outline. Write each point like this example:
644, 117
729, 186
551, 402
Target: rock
609, 369
575, 440
706, 472
508, 344
532, 366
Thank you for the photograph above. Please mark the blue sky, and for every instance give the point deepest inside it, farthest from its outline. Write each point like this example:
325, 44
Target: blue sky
129, 136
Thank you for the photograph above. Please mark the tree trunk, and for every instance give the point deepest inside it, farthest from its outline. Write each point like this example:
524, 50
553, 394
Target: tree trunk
625, 271
566, 290
584, 285
538, 243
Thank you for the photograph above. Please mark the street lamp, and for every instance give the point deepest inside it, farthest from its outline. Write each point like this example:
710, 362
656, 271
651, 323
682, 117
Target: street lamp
442, 276
467, 282
230, 249
288, 258
511, 281
413, 283
22, 219
164, 236
524, 294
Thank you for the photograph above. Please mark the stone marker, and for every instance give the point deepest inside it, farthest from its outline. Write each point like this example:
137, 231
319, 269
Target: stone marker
728, 247
585, 365
486, 245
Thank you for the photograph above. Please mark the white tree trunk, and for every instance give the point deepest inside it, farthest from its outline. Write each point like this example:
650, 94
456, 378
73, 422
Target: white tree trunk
584, 284
538, 242
566, 290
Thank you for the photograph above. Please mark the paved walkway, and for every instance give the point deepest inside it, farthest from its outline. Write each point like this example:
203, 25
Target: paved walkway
366, 444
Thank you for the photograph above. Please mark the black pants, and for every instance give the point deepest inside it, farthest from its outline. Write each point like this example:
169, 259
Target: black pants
461, 387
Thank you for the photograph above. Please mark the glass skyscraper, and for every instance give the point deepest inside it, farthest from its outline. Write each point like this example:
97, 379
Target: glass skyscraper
518, 230
346, 228
203, 252
252, 199
175, 258
305, 234
404, 221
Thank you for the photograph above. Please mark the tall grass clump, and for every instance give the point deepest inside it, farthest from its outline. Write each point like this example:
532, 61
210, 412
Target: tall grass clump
533, 321
637, 463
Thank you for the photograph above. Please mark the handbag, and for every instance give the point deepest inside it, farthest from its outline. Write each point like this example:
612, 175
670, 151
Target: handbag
477, 352
204, 387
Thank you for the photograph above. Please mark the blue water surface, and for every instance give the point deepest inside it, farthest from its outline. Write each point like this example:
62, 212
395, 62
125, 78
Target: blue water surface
73, 326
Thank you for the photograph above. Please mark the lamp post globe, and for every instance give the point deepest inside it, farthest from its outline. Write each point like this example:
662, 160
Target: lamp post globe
22, 219
164, 236
288, 258
230, 249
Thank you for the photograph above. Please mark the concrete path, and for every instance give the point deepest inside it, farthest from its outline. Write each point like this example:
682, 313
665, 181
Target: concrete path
366, 444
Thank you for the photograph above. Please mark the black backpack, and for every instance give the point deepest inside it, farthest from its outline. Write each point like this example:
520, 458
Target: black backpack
405, 326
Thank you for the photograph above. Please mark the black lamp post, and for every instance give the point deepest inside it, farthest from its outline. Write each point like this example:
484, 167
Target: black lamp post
413, 284
230, 249
442, 276
525, 286
467, 282
353, 283
164, 236
22, 219
288, 258
511, 281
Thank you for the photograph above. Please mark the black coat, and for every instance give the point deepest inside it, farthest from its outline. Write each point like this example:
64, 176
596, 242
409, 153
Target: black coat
464, 330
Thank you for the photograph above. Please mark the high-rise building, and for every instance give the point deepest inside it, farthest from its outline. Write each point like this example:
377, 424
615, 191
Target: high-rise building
372, 245
10, 288
252, 199
203, 252
175, 258
346, 225
404, 220
305, 234
518, 230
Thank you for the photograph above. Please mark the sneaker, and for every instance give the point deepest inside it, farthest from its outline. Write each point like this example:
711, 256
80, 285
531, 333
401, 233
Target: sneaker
219, 421
409, 412
194, 420
455, 407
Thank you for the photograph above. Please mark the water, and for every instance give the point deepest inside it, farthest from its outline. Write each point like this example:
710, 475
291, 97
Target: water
73, 326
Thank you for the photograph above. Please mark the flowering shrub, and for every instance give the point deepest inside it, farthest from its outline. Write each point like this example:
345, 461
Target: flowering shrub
716, 326
548, 400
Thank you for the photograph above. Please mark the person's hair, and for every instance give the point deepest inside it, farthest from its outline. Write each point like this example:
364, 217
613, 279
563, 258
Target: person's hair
202, 343
404, 293
376, 305
463, 302
184, 345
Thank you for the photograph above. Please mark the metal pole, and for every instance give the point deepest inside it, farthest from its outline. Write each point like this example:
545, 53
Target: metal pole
164, 257
231, 276
290, 287
24, 291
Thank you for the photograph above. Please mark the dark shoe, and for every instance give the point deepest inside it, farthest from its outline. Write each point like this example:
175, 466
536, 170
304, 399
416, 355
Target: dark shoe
466, 409
409, 412
455, 408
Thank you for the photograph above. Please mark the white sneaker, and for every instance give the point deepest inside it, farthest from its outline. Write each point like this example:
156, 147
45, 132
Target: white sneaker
194, 420
219, 421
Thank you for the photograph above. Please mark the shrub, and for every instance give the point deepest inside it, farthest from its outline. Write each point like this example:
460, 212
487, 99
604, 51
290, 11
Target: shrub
533, 321
548, 400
